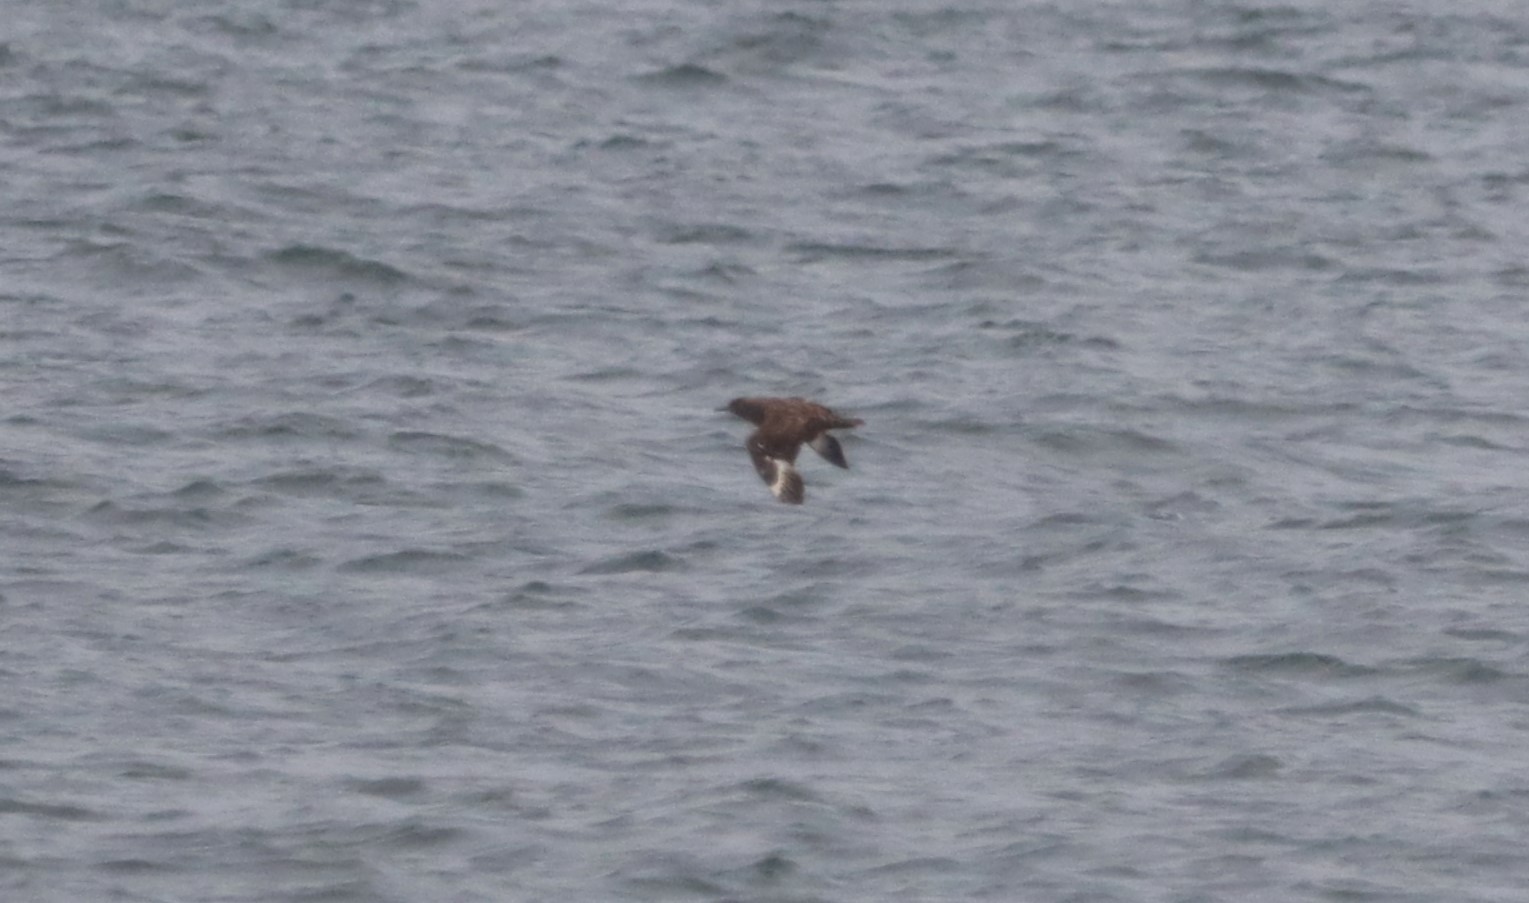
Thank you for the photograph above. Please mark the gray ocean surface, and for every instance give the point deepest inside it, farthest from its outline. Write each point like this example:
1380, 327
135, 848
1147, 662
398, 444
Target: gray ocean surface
368, 531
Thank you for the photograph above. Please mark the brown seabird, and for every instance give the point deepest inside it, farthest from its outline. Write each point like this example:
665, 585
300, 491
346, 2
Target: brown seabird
784, 424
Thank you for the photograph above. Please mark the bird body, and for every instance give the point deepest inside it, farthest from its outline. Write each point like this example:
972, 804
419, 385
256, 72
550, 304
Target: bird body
783, 426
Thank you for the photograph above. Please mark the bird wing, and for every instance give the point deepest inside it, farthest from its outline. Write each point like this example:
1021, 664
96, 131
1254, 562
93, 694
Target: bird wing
827, 446
788, 485
784, 481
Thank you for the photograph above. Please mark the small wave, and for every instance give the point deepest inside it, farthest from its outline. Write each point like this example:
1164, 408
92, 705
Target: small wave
651, 561
136, 866
1257, 260
405, 386
1024, 335
1484, 635
109, 512
1005, 159
328, 480
1095, 439
621, 141
811, 251
1261, 78
637, 511
407, 561
686, 75
54, 811
1377, 705
388, 788
1246, 767
199, 489
481, 491
1458, 670
337, 263
1302, 664
284, 559
290, 425
535, 594
705, 234
419, 442
779, 789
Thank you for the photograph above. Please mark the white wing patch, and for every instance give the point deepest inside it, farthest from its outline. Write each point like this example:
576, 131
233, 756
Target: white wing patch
787, 486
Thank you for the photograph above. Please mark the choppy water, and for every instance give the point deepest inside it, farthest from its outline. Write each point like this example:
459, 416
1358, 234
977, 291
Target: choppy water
369, 534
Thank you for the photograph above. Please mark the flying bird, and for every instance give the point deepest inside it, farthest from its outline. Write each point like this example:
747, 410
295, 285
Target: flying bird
783, 425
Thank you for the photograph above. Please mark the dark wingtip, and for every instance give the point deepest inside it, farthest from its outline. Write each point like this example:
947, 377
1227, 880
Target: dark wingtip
792, 490
828, 447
